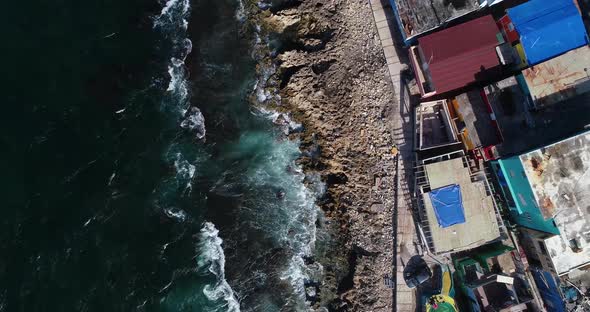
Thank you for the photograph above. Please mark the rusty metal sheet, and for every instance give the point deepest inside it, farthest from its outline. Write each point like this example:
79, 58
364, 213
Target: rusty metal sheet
560, 78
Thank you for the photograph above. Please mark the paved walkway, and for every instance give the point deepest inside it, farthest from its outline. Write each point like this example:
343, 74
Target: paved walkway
402, 131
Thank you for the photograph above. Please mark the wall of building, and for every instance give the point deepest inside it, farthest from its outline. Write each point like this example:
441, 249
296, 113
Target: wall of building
533, 243
525, 211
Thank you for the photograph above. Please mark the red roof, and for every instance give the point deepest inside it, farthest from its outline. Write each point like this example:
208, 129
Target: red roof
462, 54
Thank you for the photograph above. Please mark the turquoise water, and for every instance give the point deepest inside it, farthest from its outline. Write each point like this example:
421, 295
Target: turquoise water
141, 177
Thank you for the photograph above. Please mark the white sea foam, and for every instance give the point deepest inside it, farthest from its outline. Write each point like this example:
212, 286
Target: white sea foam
178, 84
291, 219
173, 22
88, 222
241, 12
301, 239
111, 178
175, 213
185, 171
187, 48
195, 122
212, 259
172, 10
283, 120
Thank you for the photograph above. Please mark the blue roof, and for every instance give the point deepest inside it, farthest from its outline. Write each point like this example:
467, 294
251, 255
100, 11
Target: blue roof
549, 291
448, 205
548, 28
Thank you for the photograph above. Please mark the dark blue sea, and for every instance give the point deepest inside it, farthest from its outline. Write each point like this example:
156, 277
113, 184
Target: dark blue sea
141, 169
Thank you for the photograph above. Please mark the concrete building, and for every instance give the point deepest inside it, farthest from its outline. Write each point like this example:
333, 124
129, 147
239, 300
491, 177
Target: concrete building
477, 126
417, 17
456, 208
547, 191
434, 129
502, 120
560, 78
488, 279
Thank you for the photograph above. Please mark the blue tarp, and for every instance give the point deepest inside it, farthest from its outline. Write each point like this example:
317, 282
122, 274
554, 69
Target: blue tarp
448, 205
549, 291
548, 28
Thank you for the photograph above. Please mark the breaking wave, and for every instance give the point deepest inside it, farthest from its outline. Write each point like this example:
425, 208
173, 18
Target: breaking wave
195, 122
211, 259
262, 175
176, 213
185, 171
241, 11
173, 23
173, 12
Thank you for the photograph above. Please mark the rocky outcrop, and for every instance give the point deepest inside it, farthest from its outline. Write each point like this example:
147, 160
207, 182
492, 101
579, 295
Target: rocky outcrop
334, 81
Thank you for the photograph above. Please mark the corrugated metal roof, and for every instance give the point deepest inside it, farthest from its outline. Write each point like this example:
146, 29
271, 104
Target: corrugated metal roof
461, 55
548, 28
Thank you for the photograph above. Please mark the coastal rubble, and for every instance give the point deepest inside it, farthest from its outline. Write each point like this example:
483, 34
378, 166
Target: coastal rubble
334, 81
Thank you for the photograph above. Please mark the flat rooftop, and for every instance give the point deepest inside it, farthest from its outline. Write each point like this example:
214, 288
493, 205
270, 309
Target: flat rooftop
559, 78
480, 226
559, 175
481, 131
418, 16
433, 125
523, 128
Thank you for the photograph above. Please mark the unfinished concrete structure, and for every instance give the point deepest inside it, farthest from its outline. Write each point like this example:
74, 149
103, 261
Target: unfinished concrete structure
559, 175
477, 126
490, 276
418, 16
433, 126
481, 222
524, 127
555, 209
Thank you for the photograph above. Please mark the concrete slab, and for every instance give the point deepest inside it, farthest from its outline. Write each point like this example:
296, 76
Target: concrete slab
387, 42
405, 297
480, 226
404, 300
383, 24
390, 53
379, 15
384, 33
560, 180
395, 68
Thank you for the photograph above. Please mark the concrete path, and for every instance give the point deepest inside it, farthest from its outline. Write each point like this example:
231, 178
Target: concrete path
402, 131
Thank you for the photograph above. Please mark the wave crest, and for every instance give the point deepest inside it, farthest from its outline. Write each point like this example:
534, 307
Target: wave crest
185, 171
195, 122
211, 258
173, 11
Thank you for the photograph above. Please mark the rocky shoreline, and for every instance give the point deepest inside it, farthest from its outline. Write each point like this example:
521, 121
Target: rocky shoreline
332, 78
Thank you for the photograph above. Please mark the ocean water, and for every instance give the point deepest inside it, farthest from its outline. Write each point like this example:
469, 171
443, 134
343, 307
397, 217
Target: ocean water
146, 173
